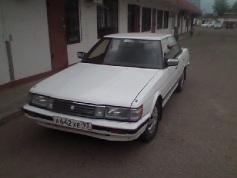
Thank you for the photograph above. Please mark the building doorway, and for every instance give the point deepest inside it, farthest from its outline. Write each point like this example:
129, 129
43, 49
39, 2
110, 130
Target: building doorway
133, 18
57, 33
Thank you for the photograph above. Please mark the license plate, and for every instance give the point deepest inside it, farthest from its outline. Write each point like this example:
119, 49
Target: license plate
72, 123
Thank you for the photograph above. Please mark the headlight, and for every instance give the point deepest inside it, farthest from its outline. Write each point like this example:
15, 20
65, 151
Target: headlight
124, 114
116, 113
41, 101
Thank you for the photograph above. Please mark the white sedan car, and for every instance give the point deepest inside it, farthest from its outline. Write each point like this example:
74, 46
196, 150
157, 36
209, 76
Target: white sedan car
218, 26
210, 25
204, 25
118, 90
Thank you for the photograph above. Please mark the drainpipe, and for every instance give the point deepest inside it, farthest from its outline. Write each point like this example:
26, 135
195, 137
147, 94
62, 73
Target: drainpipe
9, 57
8, 46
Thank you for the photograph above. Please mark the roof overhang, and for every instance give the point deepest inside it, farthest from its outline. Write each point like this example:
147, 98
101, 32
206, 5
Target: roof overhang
181, 5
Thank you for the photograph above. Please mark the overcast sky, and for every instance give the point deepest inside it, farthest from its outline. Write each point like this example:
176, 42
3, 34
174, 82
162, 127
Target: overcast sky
207, 5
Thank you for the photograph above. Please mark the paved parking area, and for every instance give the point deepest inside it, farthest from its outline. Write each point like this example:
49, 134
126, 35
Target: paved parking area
197, 136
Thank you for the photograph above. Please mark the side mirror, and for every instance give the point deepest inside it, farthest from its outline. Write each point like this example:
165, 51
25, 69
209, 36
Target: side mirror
172, 62
81, 55
169, 47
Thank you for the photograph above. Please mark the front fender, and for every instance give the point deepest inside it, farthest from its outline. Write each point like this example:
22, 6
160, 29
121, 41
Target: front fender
150, 103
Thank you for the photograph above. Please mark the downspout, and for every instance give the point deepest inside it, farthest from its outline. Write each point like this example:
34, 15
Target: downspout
8, 46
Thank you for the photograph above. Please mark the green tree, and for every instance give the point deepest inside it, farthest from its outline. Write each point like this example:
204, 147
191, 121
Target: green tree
234, 7
220, 7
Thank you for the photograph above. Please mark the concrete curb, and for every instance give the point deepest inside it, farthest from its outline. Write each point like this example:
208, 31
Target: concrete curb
11, 116
12, 101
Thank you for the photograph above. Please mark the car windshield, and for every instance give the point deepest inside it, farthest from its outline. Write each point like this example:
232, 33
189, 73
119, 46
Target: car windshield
126, 52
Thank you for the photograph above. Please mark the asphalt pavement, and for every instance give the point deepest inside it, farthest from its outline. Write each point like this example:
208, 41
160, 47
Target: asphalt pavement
196, 137
12, 99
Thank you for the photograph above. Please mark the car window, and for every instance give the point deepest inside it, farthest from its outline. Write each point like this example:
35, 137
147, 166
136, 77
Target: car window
171, 48
96, 55
127, 52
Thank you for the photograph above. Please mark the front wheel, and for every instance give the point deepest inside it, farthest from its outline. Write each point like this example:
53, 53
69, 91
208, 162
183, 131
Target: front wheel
153, 123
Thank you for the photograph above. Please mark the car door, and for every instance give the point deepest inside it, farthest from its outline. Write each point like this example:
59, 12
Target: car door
171, 50
169, 72
176, 53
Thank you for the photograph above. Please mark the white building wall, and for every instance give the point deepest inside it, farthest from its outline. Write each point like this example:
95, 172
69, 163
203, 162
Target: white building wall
182, 28
158, 6
123, 16
89, 24
4, 70
88, 28
26, 22
123, 13
185, 26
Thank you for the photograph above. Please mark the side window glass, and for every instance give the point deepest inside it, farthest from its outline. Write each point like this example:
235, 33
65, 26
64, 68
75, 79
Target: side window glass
97, 55
177, 46
100, 50
165, 48
173, 47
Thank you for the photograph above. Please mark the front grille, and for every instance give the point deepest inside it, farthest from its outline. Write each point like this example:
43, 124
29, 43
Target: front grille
73, 108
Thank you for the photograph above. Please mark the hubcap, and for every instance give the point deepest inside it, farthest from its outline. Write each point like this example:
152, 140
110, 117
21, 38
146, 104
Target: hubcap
153, 120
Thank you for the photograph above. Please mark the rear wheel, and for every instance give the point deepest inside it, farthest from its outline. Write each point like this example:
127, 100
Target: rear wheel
153, 123
181, 82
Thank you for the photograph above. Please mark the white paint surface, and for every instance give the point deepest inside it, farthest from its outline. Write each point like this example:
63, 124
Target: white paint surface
88, 27
26, 22
97, 84
4, 70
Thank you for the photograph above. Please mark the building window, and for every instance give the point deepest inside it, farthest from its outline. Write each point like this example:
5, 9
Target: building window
107, 18
146, 19
72, 21
166, 19
159, 19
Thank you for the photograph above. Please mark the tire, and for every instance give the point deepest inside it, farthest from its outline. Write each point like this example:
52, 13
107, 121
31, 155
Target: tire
181, 82
153, 123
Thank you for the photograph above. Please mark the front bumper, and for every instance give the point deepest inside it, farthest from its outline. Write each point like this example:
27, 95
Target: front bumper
101, 128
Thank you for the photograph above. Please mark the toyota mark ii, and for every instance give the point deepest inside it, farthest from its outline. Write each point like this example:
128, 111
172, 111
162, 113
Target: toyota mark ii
116, 92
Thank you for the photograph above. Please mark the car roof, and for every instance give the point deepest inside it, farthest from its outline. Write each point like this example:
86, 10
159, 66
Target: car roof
141, 36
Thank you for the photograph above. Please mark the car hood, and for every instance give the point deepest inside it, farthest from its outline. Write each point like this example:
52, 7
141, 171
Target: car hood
96, 84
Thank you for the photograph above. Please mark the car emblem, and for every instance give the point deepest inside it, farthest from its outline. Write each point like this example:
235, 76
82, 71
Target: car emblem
72, 107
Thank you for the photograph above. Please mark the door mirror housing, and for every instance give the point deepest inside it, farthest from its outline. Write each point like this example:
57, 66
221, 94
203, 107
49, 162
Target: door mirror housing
81, 55
172, 62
